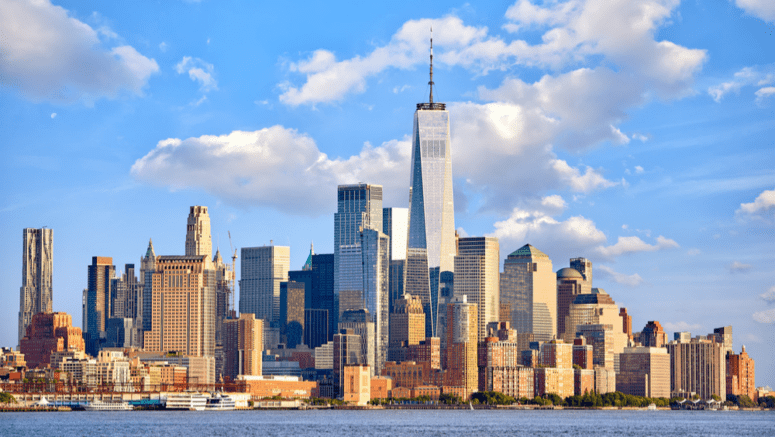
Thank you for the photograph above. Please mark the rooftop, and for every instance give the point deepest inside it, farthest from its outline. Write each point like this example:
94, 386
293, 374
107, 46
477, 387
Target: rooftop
527, 251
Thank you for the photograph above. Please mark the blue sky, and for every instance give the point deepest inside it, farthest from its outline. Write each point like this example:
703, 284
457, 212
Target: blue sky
638, 134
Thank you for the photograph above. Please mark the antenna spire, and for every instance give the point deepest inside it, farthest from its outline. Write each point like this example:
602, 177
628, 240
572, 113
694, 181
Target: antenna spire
431, 81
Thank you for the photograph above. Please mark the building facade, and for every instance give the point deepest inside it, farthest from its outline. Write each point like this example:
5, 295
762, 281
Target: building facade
36, 293
98, 302
698, 366
529, 288
243, 346
198, 238
477, 276
460, 359
395, 224
741, 374
644, 371
262, 269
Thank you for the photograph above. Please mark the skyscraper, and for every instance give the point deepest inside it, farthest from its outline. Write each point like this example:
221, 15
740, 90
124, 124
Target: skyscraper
262, 270
292, 312
460, 358
98, 302
528, 286
431, 242
183, 306
198, 239
583, 266
407, 326
243, 343
375, 249
395, 224
35, 295
477, 276
323, 289
145, 306
570, 283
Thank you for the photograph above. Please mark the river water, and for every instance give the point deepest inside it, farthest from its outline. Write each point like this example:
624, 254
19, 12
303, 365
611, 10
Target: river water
460, 423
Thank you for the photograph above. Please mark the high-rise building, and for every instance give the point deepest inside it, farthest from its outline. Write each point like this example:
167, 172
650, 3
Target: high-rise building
583, 353
460, 359
556, 372
653, 335
101, 272
315, 327
224, 277
359, 322
529, 287
723, 335
198, 239
292, 312
741, 374
182, 296
570, 283
323, 296
583, 266
347, 352
145, 306
477, 276
47, 333
431, 240
35, 295
499, 363
243, 345
359, 208
626, 322
395, 224
607, 343
262, 270
593, 308
644, 371
407, 326
698, 366
124, 294
374, 250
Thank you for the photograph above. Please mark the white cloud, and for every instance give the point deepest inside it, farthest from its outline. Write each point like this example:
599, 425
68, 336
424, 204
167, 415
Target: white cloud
630, 280
747, 76
769, 296
621, 31
53, 115
640, 137
693, 252
766, 316
276, 167
163, 46
681, 326
199, 71
638, 169
763, 203
627, 245
737, 266
44, 52
763, 93
764, 9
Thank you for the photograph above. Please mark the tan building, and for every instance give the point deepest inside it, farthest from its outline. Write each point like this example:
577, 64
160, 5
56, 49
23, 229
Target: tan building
243, 346
407, 326
626, 322
198, 239
644, 371
183, 306
407, 373
357, 385
698, 366
653, 335
427, 352
529, 287
381, 387
591, 309
288, 387
559, 381
499, 363
461, 355
48, 333
605, 380
570, 283
557, 354
741, 374
583, 353
477, 277
292, 313
583, 381
607, 344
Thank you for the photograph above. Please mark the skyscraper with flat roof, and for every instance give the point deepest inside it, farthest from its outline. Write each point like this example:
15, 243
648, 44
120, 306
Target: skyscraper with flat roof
198, 238
35, 295
395, 224
529, 287
262, 270
98, 301
431, 244
243, 344
570, 283
477, 276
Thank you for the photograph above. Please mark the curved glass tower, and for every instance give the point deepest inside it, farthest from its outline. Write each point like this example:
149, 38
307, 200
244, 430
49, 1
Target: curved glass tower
431, 240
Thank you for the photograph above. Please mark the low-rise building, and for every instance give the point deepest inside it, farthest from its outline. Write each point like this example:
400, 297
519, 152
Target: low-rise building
288, 387
356, 385
644, 371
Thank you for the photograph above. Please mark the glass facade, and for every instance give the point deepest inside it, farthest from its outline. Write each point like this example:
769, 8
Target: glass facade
262, 271
431, 239
529, 288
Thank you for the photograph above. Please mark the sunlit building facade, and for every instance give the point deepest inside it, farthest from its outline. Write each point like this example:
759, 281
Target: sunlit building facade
529, 288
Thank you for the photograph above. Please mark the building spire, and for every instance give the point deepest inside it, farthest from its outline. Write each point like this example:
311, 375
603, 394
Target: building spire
431, 81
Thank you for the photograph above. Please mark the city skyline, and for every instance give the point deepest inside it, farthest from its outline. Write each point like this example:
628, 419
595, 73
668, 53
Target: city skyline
662, 178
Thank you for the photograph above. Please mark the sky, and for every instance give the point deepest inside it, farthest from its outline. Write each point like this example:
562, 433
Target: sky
637, 134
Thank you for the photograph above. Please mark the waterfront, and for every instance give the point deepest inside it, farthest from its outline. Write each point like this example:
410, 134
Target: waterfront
391, 423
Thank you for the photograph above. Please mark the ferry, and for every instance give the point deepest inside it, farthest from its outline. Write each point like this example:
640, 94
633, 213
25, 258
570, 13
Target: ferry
220, 402
98, 405
186, 401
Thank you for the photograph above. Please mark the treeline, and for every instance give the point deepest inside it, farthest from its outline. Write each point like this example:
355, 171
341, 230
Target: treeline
588, 399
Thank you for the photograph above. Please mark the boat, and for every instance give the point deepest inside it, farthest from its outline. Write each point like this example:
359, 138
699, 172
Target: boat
652, 406
98, 405
186, 401
220, 402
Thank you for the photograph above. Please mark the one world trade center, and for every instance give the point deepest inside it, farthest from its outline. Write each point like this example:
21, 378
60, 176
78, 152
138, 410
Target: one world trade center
431, 238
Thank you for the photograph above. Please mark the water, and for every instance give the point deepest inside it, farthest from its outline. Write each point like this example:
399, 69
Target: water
459, 423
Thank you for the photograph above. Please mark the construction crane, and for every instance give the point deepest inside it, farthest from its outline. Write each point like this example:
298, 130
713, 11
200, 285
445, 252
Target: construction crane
232, 288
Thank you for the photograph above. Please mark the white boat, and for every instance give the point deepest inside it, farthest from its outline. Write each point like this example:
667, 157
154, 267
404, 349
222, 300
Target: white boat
186, 401
220, 402
98, 405
652, 406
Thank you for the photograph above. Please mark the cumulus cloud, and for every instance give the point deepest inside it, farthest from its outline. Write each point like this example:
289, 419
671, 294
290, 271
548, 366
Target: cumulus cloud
748, 76
763, 93
633, 244
629, 280
764, 9
621, 31
738, 267
766, 316
681, 326
769, 295
275, 167
763, 204
199, 71
44, 51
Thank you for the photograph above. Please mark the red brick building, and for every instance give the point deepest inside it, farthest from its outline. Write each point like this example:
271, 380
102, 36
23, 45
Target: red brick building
47, 333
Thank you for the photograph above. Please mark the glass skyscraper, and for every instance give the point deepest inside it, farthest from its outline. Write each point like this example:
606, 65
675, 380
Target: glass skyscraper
431, 244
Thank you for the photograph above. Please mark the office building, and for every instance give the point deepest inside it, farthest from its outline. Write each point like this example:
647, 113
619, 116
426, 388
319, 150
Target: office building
407, 326
359, 322
35, 294
198, 238
323, 297
395, 224
741, 374
460, 359
182, 296
723, 335
644, 371
626, 322
315, 327
356, 386
431, 240
98, 302
145, 304
570, 283
224, 280
607, 343
698, 366
477, 276
292, 313
583, 266
262, 270
48, 333
243, 346
347, 351
653, 335
529, 287
375, 246
594, 308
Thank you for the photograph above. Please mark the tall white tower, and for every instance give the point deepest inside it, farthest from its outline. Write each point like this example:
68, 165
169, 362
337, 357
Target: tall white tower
198, 239
35, 295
